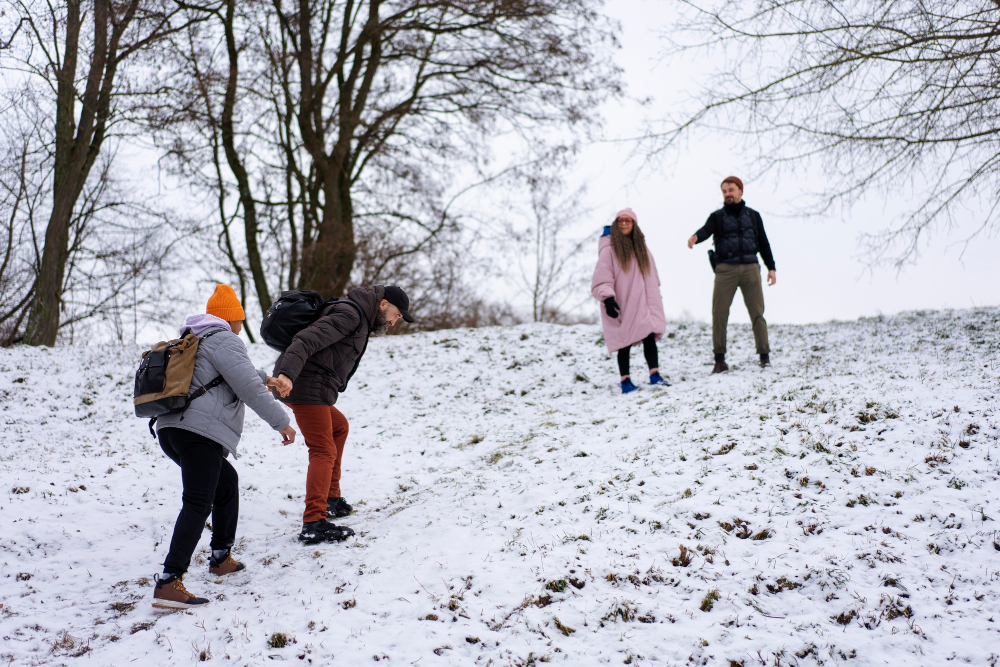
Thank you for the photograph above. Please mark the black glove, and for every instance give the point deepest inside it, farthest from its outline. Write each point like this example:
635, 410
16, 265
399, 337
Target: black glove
611, 306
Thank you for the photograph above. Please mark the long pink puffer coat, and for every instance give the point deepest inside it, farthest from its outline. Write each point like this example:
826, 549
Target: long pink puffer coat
639, 302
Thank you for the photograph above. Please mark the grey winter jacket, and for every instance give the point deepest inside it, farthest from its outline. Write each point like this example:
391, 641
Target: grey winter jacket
218, 415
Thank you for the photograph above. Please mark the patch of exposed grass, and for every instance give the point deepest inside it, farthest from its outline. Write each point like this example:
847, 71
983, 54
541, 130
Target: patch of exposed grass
624, 611
575, 538
845, 617
741, 527
685, 558
709, 600
860, 500
138, 627
557, 586
563, 628
782, 584
121, 608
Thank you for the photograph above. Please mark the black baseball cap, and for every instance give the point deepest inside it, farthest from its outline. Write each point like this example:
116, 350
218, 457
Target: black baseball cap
398, 298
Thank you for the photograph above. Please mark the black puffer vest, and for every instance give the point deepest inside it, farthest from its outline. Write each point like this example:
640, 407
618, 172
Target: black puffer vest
736, 235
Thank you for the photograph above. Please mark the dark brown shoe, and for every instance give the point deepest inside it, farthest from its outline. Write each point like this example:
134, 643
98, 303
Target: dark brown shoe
226, 566
765, 361
720, 367
171, 594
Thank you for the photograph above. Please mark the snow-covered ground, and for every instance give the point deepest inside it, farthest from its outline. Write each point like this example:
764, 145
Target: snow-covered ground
514, 508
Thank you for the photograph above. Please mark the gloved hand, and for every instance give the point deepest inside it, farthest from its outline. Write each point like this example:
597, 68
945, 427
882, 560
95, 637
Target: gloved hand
611, 306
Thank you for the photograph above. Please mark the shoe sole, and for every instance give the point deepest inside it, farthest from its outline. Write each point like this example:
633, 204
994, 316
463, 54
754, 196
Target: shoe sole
223, 574
322, 538
170, 604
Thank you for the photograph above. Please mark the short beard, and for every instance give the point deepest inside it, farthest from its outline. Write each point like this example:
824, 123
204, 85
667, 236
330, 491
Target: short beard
381, 325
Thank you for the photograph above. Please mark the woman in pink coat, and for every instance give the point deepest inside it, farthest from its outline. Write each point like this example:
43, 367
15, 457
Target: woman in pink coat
626, 281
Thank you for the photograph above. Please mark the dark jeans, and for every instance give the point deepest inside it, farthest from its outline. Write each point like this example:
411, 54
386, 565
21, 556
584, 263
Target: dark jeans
211, 487
648, 349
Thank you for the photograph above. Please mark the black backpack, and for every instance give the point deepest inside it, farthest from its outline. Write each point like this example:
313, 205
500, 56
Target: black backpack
293, 312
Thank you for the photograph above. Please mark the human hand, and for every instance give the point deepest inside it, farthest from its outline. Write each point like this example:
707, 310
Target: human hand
281, 383
771, 278
692, 241
287, 435
611, 306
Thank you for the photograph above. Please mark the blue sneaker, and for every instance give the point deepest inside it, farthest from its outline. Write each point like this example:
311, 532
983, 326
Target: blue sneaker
627, 386
656, 378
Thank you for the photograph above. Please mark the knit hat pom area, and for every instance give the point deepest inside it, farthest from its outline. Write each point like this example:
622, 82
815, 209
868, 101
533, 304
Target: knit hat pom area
225, 305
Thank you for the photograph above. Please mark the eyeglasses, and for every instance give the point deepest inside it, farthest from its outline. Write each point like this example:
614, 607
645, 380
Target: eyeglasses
624, 220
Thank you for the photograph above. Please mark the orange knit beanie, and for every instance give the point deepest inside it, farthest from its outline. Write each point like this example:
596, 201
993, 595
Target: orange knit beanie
225, 305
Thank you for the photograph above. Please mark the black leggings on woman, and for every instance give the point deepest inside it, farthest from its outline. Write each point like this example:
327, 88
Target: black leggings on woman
211, 488
648, 349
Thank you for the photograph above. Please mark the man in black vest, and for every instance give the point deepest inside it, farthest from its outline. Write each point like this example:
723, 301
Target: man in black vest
739, 236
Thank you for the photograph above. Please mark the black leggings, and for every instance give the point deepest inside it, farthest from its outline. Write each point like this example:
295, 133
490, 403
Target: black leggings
211, 487
648, 349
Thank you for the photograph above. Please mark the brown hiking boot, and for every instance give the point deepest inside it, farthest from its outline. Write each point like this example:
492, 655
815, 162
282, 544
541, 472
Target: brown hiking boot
765, 361
720, 367
171, 594
226, 566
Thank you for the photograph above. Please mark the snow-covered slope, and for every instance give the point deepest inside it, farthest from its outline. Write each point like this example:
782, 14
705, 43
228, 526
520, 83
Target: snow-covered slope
514, 508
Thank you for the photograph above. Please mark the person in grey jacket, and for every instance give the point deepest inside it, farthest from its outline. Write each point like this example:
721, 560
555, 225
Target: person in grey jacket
201, 438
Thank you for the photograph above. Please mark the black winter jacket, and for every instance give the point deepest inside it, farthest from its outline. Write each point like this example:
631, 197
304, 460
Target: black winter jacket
739, 235
322, 357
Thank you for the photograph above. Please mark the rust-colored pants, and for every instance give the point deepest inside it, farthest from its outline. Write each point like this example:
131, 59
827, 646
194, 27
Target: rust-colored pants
324, 428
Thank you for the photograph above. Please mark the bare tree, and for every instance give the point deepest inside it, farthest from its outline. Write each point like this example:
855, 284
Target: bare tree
22, 196
881, 94
73, 55
344, 123
117, 244
551, 270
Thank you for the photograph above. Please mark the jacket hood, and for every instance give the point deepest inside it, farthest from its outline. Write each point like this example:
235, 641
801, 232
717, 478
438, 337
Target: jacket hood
368, 298
604, 242
199, 323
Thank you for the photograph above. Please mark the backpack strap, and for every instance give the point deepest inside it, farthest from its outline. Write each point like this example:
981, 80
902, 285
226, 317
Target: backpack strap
357, 307
198, 393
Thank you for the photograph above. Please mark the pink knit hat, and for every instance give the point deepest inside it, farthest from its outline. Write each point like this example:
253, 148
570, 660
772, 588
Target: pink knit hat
627, 211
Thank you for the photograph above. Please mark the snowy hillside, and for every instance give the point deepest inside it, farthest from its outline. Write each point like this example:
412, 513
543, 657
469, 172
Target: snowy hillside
514, 508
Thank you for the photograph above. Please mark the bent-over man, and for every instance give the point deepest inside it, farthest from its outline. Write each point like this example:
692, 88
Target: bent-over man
320, 361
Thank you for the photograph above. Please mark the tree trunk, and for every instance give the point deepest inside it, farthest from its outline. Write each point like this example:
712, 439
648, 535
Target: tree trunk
331, 257
239, 171
68, 176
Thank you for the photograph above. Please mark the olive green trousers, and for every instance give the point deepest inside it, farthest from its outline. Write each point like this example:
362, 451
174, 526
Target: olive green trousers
746, 277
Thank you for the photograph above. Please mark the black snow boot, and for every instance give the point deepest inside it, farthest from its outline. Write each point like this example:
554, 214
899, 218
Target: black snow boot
337, 508
315, 532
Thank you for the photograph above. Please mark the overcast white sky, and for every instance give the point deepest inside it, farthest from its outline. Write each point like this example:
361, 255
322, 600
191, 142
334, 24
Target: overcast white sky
820, 275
